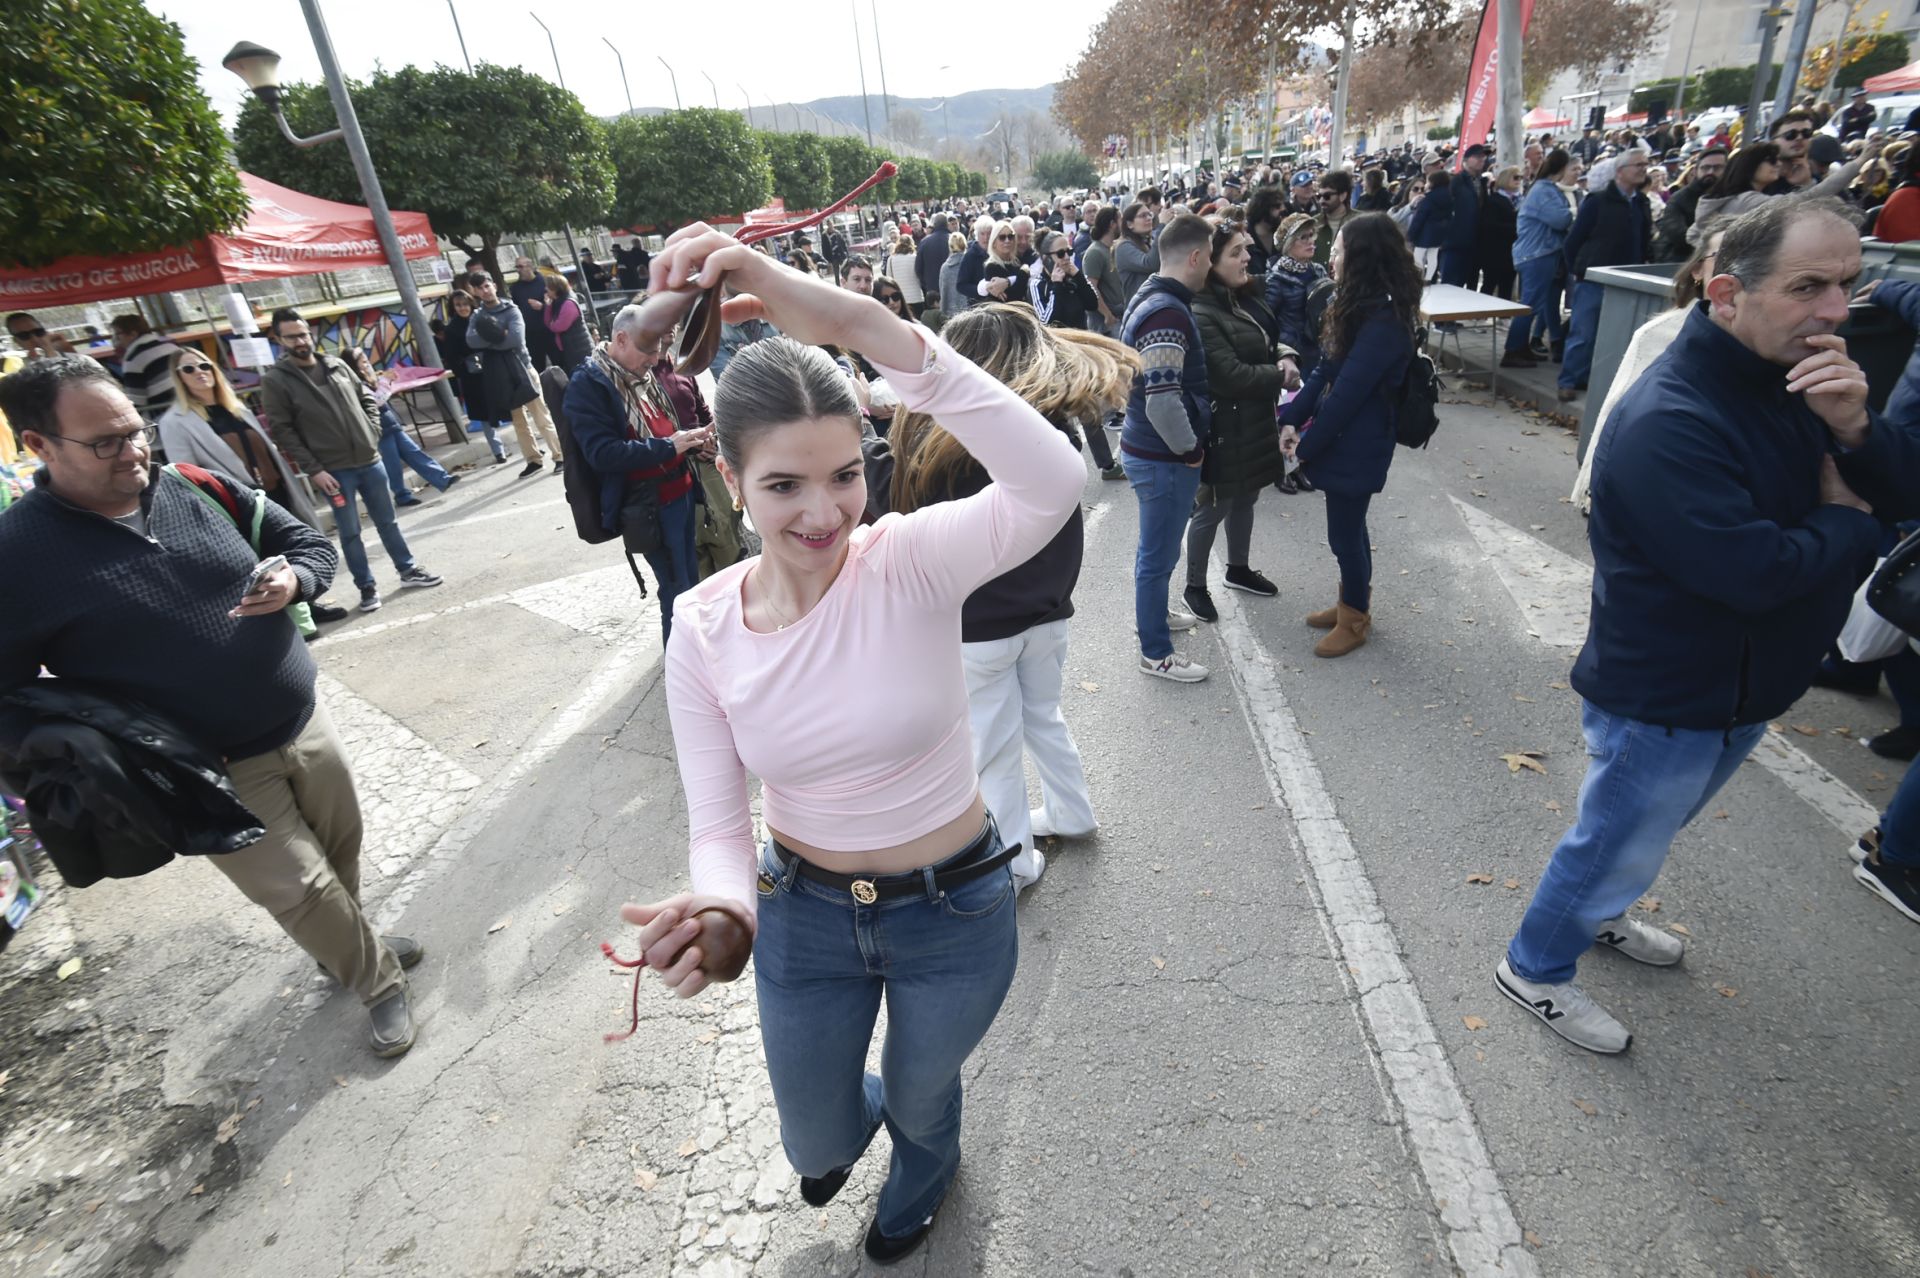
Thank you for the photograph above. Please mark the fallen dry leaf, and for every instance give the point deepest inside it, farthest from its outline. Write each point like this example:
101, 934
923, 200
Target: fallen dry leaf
95, 1205
228, 1126
1725, 991
286, 1180
196, 1190
1806, 730
1088, 686
1679, 929
1479, 878
1528, 759
560, 907
1479, 492
1721, 815
1553, 805
689, 1148
1533, 1239
1474, 1022
1560, 685
711, 1036
1511, 884
1586, 1107
1777, 728
339, 1080
1651, 904
1159, 964
500, 923
67, 968
1518, 697
476, 745
644, 1178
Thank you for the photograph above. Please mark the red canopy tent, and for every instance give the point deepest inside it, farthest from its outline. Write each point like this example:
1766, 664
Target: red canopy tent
1905, 80
1543, 118
286, 233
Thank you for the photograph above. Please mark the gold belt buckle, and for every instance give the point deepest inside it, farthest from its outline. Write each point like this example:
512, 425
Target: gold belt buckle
864, 892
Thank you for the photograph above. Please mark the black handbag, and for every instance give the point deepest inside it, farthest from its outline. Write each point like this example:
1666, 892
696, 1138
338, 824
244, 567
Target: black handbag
640, 530
1894, 589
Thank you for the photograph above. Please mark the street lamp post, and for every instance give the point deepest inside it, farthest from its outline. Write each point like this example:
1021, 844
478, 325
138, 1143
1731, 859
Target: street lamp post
573, 252
259, 68
623, 73
748, 97
461, 36
671, 76
557, 72
716, 91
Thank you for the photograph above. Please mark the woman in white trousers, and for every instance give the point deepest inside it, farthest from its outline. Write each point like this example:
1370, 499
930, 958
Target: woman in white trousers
1013, 629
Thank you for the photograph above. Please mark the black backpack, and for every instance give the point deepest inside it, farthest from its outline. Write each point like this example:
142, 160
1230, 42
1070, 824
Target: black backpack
1416, 406
578, 480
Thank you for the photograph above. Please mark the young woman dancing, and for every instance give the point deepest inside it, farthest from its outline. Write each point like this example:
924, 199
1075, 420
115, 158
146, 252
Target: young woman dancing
829, 666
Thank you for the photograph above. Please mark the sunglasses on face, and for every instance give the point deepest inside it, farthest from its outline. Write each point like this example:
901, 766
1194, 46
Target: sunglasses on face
30, 332
1002, 238
1795, 135
196, 368
1065, 252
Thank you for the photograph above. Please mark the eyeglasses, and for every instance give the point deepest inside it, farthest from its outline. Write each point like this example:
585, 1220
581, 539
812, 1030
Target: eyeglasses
1065, 252
29, 332
1795, 135
113, 445
196, 368
998, 238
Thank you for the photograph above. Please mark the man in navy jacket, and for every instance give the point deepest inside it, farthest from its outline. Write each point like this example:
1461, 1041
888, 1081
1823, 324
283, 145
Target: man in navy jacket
1614, 227
1464, 201
1734, 501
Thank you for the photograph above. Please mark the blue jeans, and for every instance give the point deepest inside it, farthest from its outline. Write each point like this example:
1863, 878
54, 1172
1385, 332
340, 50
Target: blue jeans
1577, 360
944, 961
1537, 291
675, 566
1352, 550
1644, 784
1165, 492
369, 484
396, 445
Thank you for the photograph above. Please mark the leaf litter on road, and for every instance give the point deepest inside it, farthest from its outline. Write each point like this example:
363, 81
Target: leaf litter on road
1528, 759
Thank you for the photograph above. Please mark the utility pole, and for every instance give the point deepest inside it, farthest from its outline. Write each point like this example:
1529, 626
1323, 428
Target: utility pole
1769, 23
623, 71
1796, 53
1680, 95
1512, 148
558, 74
865, 106
461, 36
880, 56
716, 90
671, 76
586, 289
1337, 129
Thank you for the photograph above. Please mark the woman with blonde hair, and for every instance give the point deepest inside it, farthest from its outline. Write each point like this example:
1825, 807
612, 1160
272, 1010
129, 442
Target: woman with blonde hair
209, 427
1013, 629
1003, 263
902, 267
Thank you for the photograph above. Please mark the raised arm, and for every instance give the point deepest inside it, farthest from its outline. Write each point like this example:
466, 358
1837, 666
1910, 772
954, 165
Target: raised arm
720, 851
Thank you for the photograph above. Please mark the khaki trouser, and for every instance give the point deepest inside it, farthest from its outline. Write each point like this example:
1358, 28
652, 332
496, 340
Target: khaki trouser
306, 871
537, 409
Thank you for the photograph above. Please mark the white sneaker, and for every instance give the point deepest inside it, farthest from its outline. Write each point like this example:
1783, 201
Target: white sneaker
1174, 667
1037, 825
1641, 942
1022, 880
1567, 1011
1180, 619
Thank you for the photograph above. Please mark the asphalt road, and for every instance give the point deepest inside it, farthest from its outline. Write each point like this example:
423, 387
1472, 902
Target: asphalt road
1253, 1032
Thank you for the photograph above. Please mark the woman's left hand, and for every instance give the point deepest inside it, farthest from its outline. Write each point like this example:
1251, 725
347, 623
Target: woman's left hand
1289, 374
1289, 440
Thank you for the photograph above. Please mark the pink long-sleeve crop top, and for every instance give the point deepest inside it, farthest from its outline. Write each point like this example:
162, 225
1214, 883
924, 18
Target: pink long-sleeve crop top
855, 717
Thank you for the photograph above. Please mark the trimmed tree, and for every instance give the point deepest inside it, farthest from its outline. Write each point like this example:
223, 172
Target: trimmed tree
483, 155
802, 174
686, 166
108, 144
1064, 170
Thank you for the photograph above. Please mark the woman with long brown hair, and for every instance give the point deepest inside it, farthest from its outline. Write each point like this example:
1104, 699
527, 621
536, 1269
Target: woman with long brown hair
1366, 344
1013, 629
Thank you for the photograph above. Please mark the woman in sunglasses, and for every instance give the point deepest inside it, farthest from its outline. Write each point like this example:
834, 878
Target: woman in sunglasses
1003, 279
887, 292
208, 426
1062, 298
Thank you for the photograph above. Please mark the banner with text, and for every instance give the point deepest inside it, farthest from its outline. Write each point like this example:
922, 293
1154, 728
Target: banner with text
1482, 103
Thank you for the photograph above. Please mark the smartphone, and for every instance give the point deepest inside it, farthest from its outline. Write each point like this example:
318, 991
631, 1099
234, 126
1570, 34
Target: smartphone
261, 571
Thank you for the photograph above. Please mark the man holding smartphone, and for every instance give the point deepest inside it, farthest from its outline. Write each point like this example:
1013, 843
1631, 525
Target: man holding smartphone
140, 586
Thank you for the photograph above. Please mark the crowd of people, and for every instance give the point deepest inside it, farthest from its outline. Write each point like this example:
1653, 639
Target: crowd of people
902, 429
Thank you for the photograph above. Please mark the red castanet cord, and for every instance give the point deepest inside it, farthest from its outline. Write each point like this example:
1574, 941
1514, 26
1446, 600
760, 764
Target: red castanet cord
754, 234
606, 948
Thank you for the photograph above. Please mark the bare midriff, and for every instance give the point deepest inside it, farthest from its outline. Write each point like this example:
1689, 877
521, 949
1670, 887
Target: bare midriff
929, 849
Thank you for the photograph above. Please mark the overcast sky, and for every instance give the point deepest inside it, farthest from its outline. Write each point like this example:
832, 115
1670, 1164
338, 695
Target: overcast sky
782, 51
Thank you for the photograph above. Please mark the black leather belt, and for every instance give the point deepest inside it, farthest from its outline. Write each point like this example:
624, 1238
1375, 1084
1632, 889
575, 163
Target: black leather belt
868, 888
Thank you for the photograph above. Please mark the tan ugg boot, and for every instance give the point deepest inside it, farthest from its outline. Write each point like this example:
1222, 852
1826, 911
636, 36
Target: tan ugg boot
1326, 617
1348, 633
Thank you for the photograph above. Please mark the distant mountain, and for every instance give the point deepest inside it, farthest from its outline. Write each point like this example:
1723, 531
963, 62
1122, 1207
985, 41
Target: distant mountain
967, 114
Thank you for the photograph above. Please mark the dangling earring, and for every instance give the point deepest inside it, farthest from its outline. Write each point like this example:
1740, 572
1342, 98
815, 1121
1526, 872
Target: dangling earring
737, 506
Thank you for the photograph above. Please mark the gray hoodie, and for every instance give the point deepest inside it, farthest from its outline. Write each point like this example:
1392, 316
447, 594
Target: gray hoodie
509, 329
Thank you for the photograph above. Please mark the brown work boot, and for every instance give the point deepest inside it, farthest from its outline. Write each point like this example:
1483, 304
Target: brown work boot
1348, 633
1325, 618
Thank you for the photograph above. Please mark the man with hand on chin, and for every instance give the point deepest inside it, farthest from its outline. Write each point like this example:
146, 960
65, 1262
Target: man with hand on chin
107, 585
1735, 496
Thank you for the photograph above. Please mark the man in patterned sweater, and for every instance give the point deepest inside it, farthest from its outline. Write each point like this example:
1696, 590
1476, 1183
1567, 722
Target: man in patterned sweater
1165, 435
132, 583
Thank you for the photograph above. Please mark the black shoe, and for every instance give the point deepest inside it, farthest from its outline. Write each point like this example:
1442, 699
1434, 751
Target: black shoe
327, 612
451, 481
419, 578
1302, 484
819, 1191
1848, 677
531, 468
1897, 885
500, 461
1901, 743
1200, 603
1244, 578
1559, 350
369, 598
392, 1024
882, 1250
1287, 484
1115, 471
408, 500
1540, 351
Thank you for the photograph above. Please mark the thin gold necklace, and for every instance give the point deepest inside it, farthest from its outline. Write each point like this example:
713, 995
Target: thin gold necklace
767, 597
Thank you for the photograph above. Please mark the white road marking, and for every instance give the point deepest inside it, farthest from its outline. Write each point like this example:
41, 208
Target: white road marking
1553, 590
1090, 522
1481, 1230
546, 598
558, 504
